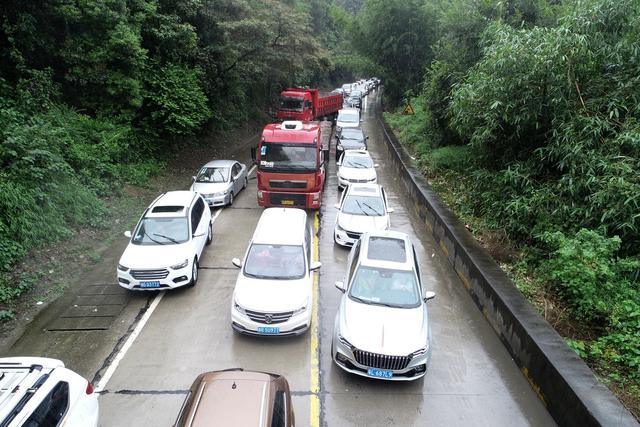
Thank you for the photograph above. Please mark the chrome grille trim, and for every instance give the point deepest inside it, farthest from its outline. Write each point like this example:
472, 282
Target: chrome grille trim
149, 274
260, 317
381, 361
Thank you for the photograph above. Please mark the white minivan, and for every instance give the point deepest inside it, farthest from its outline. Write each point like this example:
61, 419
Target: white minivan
274, 289
347, 118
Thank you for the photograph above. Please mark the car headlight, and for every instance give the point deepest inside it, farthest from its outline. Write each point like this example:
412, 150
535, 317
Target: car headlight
300, 310
420, 352
344, 341
122, 267
339, 147
238, 307
338, 228
183, 264
221, 193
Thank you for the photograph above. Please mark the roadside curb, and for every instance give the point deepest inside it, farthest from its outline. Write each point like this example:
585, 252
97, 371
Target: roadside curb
563, 382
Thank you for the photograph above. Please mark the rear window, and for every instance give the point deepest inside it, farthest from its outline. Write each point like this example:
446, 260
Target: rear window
387, 249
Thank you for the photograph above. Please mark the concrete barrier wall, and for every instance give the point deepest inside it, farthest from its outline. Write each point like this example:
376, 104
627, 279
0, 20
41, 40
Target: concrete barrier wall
564, 383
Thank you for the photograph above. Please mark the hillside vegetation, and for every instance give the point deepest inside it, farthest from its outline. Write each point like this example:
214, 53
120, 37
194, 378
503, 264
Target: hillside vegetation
527, 121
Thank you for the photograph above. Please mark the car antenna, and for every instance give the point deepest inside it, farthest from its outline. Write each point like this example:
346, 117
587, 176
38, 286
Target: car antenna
233, 386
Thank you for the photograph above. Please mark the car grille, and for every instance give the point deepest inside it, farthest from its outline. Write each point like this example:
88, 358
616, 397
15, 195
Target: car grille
353, 235
358, 181
149, 274
287, 184
297, 199
381, 361
269, 318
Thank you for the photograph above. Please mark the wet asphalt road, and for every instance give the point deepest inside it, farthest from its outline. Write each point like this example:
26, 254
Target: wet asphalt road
471, 380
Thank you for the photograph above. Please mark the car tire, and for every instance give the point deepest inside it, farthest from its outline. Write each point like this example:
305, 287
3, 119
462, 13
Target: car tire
194, 273
231, 198
246, 182
210, 234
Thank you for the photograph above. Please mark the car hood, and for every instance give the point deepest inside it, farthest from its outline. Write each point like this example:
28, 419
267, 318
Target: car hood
356, 173
154, 256
352, 144
209, 187
383, 330
362, 223
269, 295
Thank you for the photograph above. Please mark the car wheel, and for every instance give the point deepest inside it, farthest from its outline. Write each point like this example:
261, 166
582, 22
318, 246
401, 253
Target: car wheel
246, 182
210, 234
194, 272
231, 198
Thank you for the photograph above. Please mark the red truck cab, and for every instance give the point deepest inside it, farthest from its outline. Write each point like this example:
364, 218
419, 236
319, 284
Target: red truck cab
308, 105
291, 168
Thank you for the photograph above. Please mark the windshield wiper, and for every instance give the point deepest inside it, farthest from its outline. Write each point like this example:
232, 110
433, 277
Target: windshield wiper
364, 301
367, 205
166, 237
361, 209
152, 239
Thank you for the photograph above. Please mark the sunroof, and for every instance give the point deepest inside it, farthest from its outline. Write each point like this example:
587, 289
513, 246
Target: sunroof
387, 249
167, 209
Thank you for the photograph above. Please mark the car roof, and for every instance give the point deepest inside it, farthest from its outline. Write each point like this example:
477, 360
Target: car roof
291, 131
281, 226
232, 397
171, 204
364, 190
387, 249
349, 110
220, 163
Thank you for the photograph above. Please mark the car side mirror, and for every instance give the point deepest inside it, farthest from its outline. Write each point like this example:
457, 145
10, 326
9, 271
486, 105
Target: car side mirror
337, 206
366, 137
429, 295
193, 178
390, 210
127, 234
375, 165
341, 287
237, 262
315, 265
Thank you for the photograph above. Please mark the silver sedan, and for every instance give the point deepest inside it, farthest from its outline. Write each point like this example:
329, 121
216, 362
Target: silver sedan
220, 181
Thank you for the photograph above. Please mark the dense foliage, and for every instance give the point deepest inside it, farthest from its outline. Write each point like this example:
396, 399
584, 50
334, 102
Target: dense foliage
533, 108
94, 93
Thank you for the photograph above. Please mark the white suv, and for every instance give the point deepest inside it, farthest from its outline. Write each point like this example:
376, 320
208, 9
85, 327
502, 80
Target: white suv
274, 290
167, 243
37, 391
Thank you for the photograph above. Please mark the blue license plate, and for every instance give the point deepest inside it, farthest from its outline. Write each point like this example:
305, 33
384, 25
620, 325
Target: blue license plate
268, 330
154, 284
379, 373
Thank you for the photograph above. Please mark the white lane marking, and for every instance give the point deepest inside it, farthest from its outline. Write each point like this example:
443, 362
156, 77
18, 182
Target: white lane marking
251, 170
111, 369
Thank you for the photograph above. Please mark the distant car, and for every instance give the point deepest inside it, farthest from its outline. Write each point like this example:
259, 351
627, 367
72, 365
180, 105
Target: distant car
235, 397
167, 243
273, 294
219, 181
346, 89
347, 118
382, 327
350, 139
38, 391
363, 208
356, 167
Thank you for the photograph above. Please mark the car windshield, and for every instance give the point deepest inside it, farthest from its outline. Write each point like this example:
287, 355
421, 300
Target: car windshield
290, 104
292, 157
348, 117
363, 205
380, 286
352, 134
358, 162
214, 174
275, 262
161, 231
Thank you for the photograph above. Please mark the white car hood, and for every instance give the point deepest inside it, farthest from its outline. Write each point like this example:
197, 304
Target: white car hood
209, 187
362, 223
383, 330
272, 296
154, 256
355, 173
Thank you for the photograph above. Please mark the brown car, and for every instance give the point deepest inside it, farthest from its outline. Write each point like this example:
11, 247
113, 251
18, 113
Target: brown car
235, 397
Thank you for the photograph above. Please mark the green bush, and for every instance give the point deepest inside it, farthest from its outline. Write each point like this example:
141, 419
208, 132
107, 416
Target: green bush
459, 158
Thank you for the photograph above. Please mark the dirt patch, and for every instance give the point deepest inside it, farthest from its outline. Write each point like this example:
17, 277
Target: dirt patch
55, 269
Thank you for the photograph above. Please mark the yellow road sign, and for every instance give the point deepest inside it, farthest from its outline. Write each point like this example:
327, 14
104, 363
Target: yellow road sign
408, 109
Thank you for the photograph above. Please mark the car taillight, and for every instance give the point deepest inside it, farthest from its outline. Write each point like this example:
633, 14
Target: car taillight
89, 389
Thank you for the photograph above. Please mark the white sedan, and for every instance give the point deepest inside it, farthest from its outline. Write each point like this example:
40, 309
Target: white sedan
363, 208
356, 166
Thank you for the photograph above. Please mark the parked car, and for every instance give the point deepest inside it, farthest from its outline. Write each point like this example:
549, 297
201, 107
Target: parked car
273, 294
219, 181
363, 208
39, 392
347, 118
167, 243
350, 139
235, 397
382, 327
356, 166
